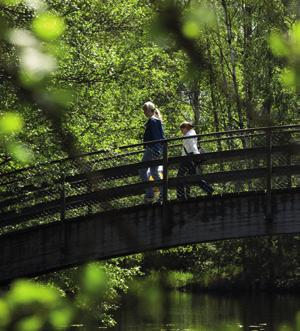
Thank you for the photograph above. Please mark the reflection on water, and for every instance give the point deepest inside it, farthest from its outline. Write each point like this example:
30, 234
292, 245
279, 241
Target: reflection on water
206, 312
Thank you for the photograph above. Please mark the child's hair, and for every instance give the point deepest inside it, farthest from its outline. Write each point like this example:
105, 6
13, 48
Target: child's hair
186, 125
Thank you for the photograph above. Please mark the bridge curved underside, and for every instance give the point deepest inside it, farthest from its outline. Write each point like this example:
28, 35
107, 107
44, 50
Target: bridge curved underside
59, 245
67, 212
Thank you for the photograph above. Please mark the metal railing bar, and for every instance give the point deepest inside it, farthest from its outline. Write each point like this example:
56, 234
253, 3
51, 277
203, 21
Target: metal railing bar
211, 134
11, 218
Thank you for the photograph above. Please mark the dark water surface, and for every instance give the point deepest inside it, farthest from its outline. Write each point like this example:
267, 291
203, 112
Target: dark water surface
207, 312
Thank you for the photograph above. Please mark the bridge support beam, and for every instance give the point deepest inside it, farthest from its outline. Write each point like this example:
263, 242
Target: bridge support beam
43, 249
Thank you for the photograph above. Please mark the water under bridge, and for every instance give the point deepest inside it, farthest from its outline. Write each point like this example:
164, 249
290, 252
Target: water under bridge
90, 207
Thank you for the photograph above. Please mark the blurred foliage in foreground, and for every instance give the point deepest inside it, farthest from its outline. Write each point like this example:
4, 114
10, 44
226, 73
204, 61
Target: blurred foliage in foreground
82, 296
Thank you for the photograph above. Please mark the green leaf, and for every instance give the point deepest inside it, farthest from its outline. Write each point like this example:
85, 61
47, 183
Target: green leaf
32, 323
278, 45
95, 280
48, 26
288, 78
20, 152
61, 318
11, 123
191, 29
25, 292
197, 19
4, 314
295, 38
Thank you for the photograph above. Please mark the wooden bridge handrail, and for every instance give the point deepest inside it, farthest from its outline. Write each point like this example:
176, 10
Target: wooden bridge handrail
103, 151
132, 169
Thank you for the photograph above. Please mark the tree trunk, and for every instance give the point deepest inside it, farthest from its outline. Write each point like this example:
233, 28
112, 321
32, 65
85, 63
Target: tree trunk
194, 97
233, 64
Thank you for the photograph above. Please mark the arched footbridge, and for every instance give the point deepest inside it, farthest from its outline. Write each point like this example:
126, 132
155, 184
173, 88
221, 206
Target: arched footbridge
70, 211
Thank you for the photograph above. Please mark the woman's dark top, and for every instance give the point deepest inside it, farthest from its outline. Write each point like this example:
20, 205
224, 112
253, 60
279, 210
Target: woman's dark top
153, 131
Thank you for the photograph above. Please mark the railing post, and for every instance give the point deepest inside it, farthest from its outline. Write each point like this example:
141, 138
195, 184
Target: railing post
269, 174
165, 184
165, 172
62, 199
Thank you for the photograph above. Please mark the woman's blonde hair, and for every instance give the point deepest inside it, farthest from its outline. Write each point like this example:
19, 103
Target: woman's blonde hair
157, 114
151, 106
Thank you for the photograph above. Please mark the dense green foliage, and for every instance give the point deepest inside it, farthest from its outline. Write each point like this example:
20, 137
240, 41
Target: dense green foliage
248, 264
114, 55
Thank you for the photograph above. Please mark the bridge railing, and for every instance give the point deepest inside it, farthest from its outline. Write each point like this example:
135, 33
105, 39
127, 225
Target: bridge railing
259, 159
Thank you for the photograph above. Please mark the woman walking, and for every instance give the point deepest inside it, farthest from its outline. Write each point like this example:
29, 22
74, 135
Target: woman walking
153, 131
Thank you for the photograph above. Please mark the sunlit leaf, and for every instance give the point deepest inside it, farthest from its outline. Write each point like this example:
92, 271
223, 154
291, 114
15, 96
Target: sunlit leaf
95, 280
4, 313
278, 44
191, 29
11, 123
196, 20
32, 323
288, 78
48, 26
296, 33
61, 318
24, 292
295, 38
